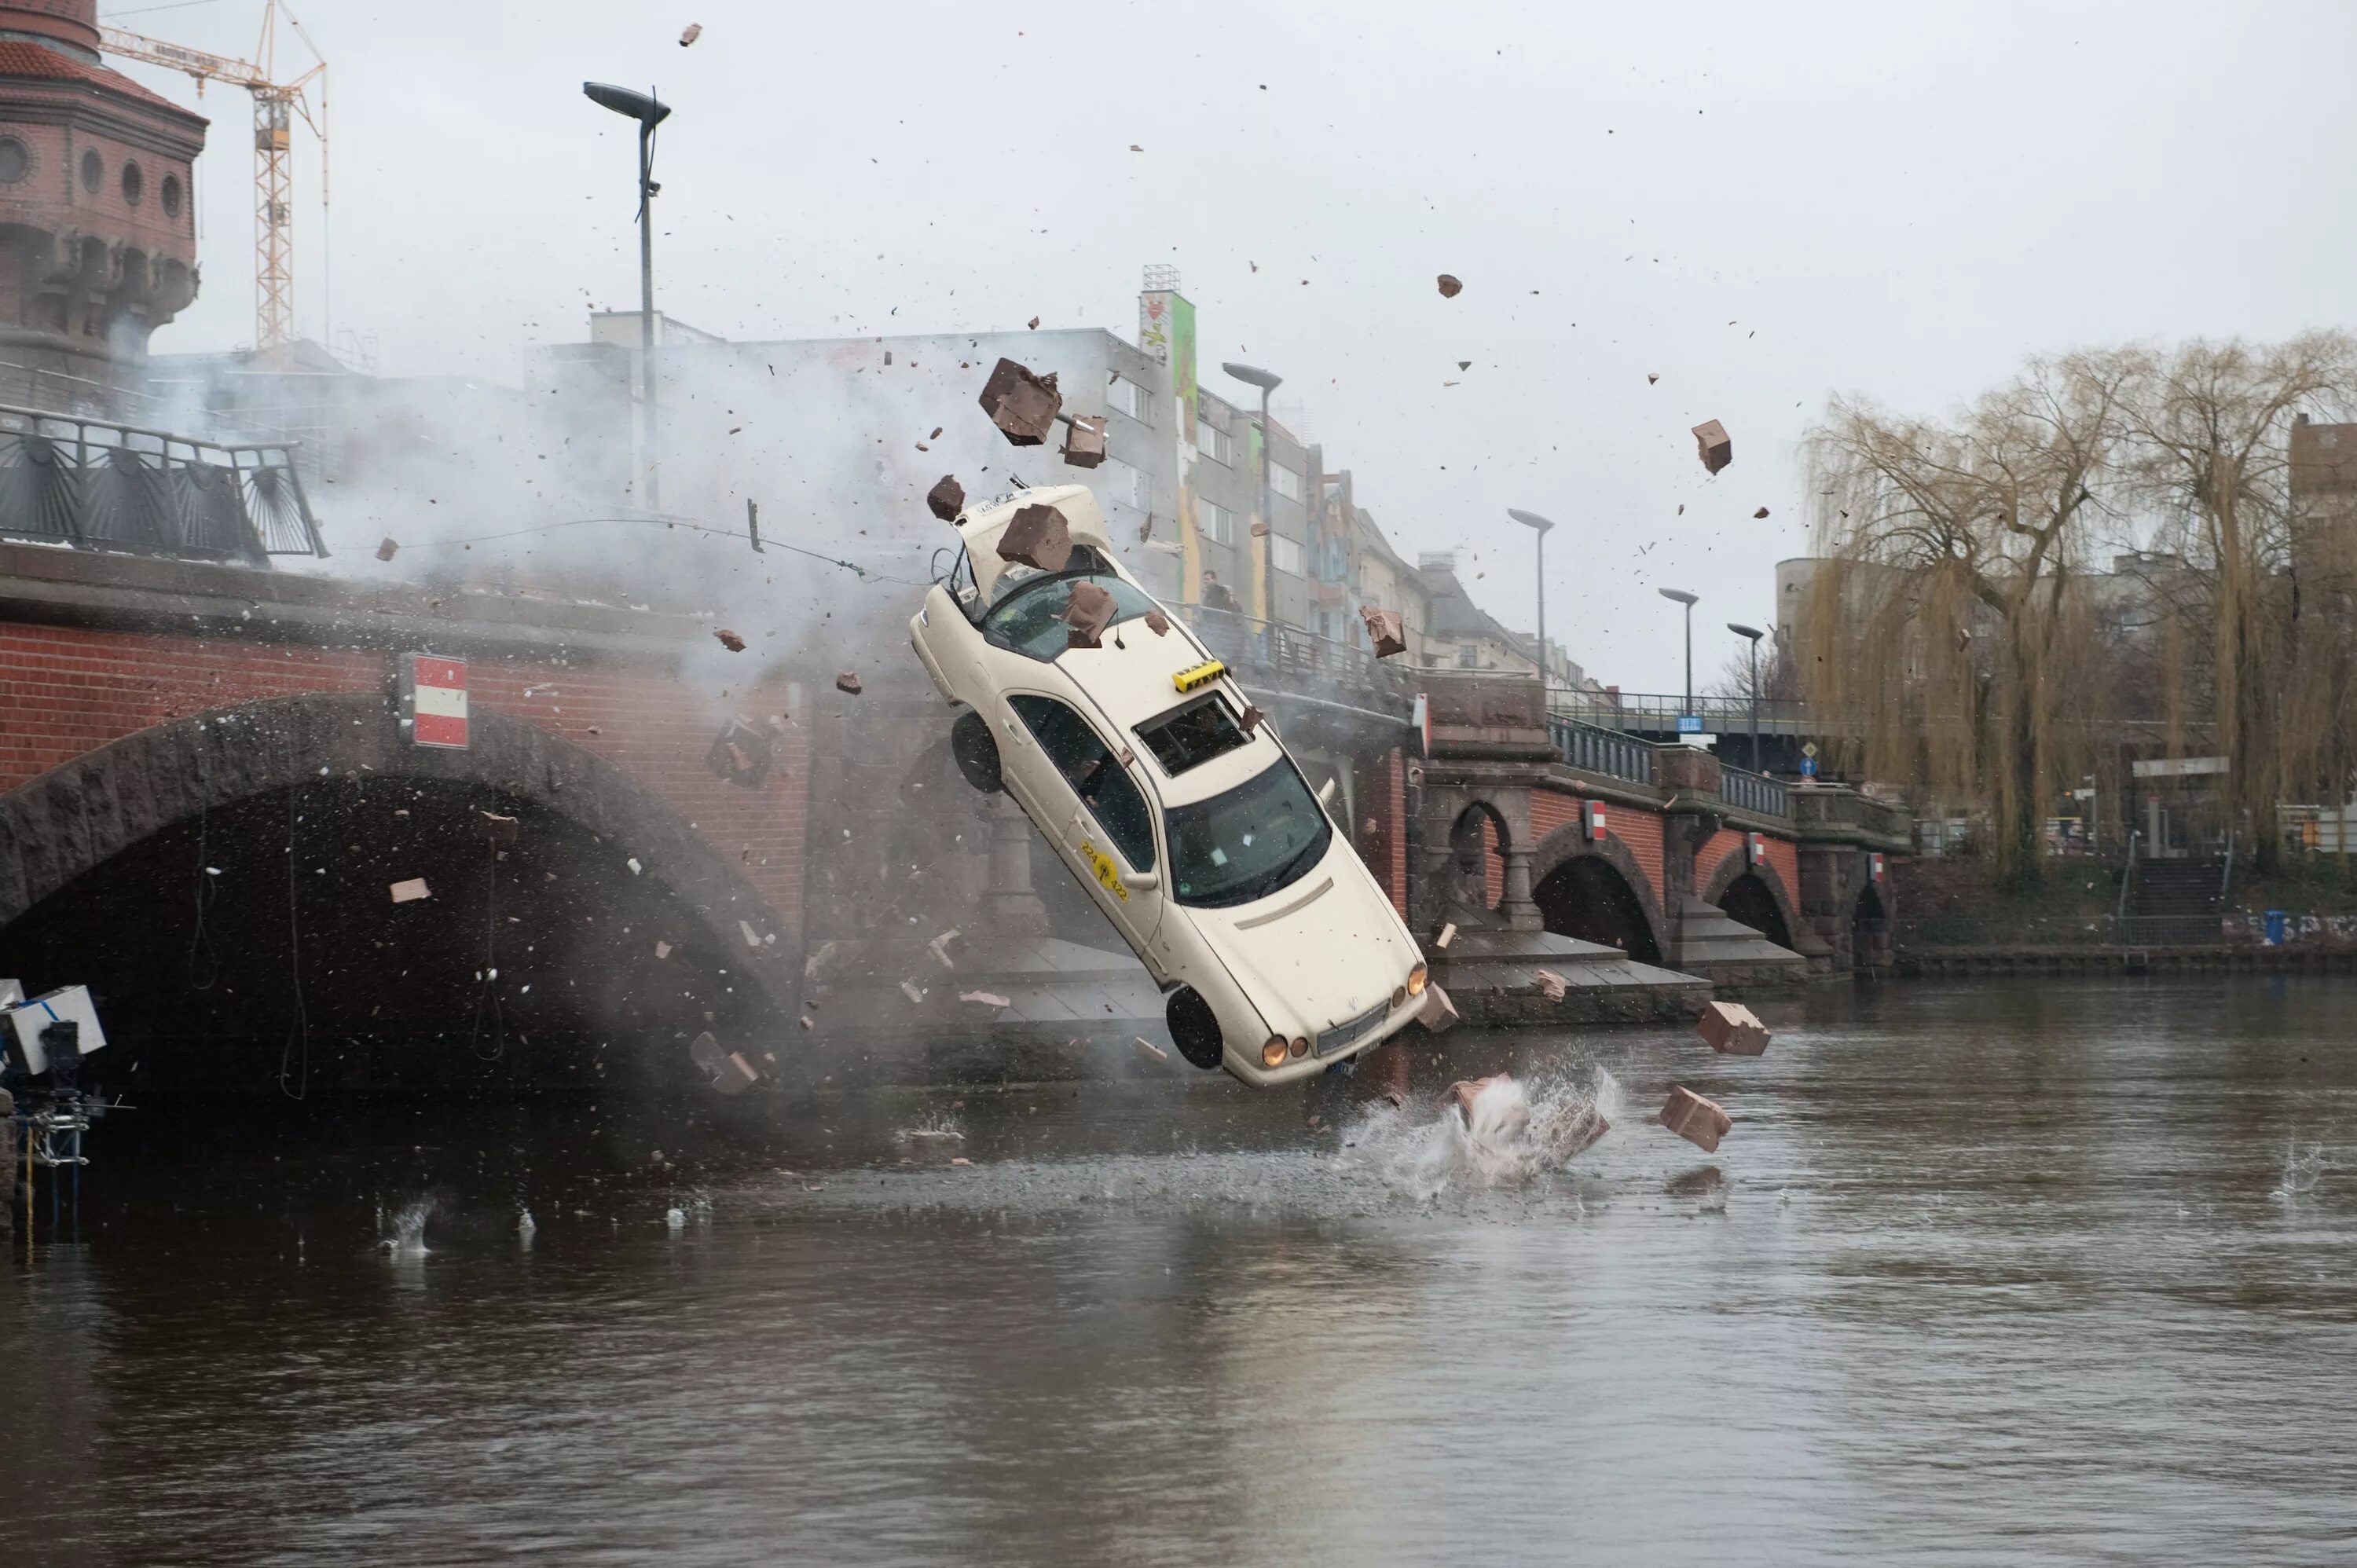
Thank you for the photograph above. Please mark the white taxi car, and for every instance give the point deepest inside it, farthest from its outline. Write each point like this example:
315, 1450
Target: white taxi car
1277, 952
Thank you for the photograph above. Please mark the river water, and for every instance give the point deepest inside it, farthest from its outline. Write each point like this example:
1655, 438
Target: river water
2016, 1273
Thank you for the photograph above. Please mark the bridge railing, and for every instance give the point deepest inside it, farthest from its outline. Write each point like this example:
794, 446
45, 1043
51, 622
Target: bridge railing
1658, 712
1608, 752
1247, 644
96, 484
1752, 792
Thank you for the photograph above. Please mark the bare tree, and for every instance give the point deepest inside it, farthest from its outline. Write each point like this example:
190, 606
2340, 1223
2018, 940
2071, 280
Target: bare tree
1944, 620
2211, 426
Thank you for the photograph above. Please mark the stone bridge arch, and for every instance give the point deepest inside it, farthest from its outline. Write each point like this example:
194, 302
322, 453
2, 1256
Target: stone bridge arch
1598, 888
1455, 856
68, 822
1732, 877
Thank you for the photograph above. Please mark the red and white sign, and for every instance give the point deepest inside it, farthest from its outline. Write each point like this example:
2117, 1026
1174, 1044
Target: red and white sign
435, 692
1755, 845
1592, 821
1874, 862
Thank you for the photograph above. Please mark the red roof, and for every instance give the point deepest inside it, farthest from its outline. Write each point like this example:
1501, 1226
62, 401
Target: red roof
18, 59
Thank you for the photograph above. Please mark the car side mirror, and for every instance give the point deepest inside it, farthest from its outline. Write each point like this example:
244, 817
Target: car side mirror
1328, 791
1145, 881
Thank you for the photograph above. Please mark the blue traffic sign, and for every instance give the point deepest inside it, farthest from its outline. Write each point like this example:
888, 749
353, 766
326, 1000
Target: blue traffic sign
1689, 724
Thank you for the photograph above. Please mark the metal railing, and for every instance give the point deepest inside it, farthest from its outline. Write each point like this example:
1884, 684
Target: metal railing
1656, 712
1583, 745
1245, 643
1919, 934
1752, 791
94, 484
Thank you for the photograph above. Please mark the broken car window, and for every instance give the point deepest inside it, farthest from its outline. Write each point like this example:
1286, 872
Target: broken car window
1194, 734
1088, 765
1247, 844
1030, 620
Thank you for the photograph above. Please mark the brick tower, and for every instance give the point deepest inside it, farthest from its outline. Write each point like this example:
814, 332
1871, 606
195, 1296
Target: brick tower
97, 240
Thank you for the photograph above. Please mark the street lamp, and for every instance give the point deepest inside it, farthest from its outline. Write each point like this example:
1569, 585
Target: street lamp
1753, 634
649, 113
1538, 525
1681, 596
1268, 382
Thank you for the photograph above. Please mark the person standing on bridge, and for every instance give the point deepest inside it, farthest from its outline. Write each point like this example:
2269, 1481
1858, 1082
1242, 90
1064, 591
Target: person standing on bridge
1217, 594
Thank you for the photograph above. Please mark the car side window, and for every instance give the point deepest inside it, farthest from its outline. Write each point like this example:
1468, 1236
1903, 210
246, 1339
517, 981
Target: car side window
1095, 774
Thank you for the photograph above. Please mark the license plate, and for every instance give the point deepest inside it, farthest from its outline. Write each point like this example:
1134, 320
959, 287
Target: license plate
1342, 1037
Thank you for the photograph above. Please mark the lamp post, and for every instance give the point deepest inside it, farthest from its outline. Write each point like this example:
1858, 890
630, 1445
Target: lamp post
1753, 634
1539, 526
1268, 382
1681, 596
649, 113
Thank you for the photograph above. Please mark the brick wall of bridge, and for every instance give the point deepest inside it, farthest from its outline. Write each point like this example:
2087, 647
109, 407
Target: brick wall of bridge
66, 691
1784, 858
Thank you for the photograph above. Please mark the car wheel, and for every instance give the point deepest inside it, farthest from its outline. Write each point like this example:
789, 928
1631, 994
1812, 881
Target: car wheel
1193, 1029
975, 750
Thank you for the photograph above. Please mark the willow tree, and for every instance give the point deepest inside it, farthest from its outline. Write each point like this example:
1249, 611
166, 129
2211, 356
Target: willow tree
1944, 620
2210, 428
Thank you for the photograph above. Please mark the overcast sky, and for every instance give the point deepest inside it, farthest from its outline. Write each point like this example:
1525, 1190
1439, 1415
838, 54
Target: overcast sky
1763, 204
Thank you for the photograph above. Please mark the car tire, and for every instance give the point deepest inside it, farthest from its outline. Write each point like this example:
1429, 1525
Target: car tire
975, 751
1194, 1027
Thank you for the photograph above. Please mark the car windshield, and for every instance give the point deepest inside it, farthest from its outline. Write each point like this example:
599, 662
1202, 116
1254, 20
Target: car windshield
1247, 844
1030, 620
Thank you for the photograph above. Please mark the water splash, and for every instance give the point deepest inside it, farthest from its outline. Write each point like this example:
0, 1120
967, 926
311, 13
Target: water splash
407, 1226
2303, 1166
1507, 1134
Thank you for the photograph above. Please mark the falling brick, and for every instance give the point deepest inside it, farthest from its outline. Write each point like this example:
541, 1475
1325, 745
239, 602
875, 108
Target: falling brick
1023, 406
946, 499
847, 683
388, 549
1438, 1012
662, 949
752, 938
1260, 531
1384, 630
1251, 719
1449, 287
1718, 447
806, 1022
736, 1075
504, 832
1552, 984
946, 947
729, 639
1762, 512
1089, 612
1650, 377
693, 31
1158, 623
1733, 1029
1038, 536
1698, 1120
985, 998
1151, 1051
409, 892
739, 754
913, 991
1448, 935
1084, 441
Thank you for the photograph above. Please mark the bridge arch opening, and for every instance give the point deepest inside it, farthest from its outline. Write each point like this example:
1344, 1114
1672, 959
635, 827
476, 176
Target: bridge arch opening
1870, 931
1586, 897
1478, 840
1749, 901
232, 913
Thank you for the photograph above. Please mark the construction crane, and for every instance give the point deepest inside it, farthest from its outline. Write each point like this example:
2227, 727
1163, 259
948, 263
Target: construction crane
275, 105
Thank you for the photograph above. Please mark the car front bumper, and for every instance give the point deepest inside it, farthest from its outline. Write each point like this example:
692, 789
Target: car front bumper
1311, 1065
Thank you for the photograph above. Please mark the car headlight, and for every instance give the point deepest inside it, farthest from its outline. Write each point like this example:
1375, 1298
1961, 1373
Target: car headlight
1272, 1053
1415, 981
1300, 1046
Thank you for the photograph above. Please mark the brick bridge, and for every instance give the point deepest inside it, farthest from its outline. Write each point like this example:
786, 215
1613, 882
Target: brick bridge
206, 790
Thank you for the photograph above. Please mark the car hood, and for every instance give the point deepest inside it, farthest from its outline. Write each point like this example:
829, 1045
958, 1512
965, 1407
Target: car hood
1320, 952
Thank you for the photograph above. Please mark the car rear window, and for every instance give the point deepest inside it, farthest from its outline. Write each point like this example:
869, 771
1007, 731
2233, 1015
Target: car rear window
1031, 622
1189, 735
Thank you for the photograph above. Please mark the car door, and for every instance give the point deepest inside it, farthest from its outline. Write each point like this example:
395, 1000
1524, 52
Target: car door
1107, 819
